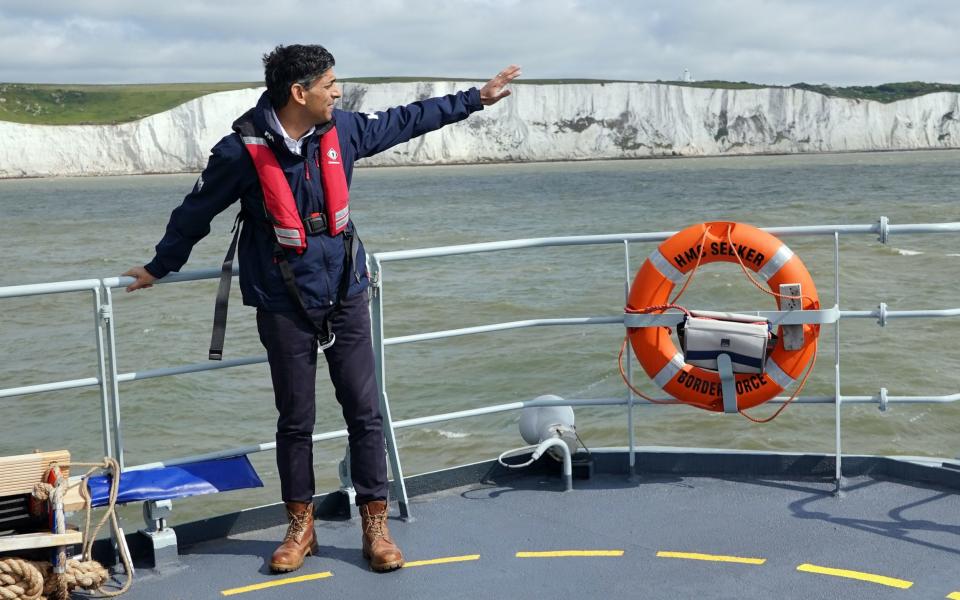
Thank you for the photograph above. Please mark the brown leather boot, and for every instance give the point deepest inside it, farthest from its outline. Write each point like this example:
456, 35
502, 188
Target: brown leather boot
300, 540
378, 547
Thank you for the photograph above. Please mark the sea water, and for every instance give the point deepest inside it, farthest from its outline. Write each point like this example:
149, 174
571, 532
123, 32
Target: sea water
66, 229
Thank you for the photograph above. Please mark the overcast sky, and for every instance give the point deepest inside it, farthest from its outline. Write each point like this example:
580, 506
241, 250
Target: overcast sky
840, 42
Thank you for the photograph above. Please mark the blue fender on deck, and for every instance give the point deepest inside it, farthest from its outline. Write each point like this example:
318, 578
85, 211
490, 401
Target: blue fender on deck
194, 479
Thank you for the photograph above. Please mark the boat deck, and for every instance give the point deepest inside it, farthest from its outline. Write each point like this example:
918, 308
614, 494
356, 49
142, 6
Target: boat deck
657, 535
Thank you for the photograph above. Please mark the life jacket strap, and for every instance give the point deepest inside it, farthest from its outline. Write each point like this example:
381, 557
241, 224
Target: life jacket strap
223, 295
321, 327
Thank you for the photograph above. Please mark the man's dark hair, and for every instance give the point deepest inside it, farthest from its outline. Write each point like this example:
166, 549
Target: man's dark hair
287, 65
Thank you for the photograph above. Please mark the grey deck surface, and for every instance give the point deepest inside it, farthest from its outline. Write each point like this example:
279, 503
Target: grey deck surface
880, 527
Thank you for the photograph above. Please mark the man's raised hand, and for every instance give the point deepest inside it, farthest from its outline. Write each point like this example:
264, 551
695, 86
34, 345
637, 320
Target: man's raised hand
493, 91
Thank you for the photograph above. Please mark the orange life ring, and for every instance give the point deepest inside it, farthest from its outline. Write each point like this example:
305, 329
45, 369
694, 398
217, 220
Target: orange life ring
669, 265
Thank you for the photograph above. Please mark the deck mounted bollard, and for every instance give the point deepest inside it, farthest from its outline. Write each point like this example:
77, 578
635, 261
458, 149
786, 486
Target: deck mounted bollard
162, 539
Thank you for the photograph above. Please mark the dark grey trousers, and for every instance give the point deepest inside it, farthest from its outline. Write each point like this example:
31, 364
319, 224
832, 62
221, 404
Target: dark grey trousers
292, 353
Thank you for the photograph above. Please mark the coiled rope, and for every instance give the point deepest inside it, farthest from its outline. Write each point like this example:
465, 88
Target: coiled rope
27, 580
19, 580
32, 580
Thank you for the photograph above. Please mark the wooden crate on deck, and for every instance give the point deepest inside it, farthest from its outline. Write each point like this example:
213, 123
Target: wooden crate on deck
18, 475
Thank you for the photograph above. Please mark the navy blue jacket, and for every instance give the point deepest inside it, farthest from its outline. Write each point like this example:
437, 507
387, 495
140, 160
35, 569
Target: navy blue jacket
230, 174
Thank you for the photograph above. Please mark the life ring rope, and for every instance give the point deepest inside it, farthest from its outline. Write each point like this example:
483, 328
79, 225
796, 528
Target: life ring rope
671, 275
814, 303
623, 348
792, 397
801, 297
671, 304
663, 307
694, 271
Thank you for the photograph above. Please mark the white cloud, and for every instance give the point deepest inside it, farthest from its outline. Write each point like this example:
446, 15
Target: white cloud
838, 42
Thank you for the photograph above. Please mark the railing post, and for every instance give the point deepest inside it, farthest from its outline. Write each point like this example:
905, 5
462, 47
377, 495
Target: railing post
105, 422
109, 390
837, 398
106, 317
632, 458
379, 354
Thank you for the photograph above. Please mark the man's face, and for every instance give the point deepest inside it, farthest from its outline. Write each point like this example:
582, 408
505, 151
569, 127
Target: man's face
320, 94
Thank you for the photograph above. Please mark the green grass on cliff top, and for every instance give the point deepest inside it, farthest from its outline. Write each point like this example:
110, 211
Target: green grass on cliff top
53, 104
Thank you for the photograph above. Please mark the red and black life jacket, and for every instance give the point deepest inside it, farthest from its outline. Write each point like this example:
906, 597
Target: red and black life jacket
278, 199
289, 228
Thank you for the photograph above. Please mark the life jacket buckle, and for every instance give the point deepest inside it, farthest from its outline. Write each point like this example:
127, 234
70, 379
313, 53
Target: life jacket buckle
316, 223
324, 344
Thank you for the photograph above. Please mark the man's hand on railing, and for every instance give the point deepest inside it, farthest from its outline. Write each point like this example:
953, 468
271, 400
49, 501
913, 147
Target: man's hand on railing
143, 278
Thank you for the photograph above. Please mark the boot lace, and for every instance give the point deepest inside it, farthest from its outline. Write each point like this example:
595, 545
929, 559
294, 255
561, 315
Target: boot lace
297, 527
374, 525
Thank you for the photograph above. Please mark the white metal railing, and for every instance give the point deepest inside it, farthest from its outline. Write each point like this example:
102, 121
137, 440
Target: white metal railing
882, 228
107, 377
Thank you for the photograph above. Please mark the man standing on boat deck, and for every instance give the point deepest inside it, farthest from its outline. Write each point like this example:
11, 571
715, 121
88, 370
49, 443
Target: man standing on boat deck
290, 162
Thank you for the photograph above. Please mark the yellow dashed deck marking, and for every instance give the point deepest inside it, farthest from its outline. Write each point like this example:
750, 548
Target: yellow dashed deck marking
712, 557
880, 579
276, 582
441, 561
954, 596
563, 553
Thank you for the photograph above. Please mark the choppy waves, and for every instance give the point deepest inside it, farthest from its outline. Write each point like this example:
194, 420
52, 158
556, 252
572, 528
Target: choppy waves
50, 338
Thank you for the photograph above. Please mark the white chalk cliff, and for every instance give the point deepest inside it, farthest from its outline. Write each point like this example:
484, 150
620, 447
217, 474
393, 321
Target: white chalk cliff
539, 122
